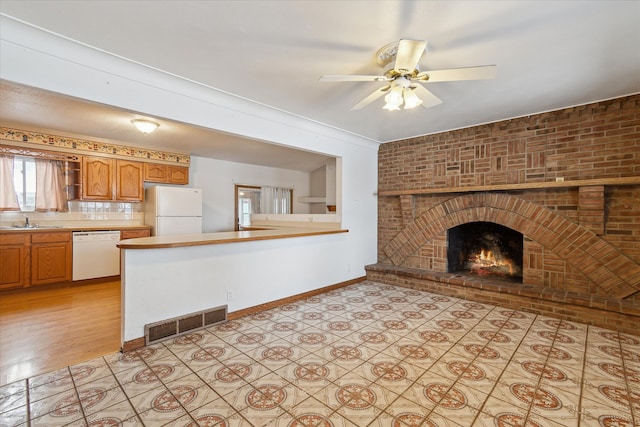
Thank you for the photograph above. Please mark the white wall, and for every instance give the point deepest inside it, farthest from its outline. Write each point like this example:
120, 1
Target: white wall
36, 58
318, 188
199, 277
217, 179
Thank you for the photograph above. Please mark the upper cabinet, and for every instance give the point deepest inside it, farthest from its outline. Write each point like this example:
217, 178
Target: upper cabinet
129, 185
123, 180
155, 173
111, 180
97, 178
178, 174
166, 174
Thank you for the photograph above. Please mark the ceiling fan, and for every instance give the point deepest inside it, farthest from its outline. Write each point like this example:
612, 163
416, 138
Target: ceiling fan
405, 79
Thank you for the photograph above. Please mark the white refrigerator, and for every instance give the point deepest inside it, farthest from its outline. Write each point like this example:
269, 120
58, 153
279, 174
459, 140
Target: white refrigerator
173, 210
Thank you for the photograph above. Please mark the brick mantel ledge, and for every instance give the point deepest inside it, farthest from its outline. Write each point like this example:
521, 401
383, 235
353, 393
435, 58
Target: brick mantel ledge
627, 180
617, 314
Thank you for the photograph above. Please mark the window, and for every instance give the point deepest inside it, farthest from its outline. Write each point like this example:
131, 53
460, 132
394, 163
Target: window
24, 182
275, 200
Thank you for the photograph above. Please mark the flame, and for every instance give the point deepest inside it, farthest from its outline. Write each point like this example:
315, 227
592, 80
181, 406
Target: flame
485, 258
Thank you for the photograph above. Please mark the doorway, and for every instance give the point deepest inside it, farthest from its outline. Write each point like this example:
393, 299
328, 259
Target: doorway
247, 202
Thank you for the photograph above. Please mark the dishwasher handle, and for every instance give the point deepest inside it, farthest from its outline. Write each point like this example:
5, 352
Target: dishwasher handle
85, 236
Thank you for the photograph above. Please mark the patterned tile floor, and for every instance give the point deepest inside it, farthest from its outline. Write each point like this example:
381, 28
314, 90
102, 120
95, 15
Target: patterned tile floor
364, 355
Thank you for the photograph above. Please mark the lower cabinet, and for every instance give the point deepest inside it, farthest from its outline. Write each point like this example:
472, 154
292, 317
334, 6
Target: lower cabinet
51, 258
134, 233
14, 260
42, 257
29, 259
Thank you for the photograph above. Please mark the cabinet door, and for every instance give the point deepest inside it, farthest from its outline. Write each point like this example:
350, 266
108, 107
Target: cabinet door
155, 173
177, 174
129, 185
14, 259
134, 234
50, 262
97, 178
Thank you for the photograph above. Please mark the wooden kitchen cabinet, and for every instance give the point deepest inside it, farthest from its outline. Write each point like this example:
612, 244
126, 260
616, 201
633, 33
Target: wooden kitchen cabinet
155, 173
166, 174
134, 233
129, 183
177, 174
14, 260
51, 257
112, 180
97, 178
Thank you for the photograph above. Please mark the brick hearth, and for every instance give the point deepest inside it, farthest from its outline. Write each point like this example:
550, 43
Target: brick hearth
568, 180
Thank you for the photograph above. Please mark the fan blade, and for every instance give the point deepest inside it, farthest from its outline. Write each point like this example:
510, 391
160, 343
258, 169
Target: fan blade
469, 73
353, 78
428, 99
369, 99
409, 53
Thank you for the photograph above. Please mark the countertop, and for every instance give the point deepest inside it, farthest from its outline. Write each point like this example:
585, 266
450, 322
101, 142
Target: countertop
50, 229
184, 240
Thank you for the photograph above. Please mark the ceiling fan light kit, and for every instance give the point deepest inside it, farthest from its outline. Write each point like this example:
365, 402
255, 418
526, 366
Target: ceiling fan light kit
403, 72
393, 99
401, 93
411, 100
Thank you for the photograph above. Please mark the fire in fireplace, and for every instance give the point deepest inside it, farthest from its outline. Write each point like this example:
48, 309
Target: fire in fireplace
485, 249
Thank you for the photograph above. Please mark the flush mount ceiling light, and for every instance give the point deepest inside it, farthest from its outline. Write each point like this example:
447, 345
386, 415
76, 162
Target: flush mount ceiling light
145, 126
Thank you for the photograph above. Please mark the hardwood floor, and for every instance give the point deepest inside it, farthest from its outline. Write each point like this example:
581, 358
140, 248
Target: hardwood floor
46, 329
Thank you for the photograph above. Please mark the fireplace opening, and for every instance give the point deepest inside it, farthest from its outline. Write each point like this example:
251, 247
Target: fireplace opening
485, 249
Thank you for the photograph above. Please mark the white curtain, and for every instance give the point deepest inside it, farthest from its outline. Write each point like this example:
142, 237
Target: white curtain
8, 196
275, 200
50, 186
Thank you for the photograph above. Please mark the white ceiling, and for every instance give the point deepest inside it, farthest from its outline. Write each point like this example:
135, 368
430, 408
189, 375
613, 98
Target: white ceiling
28, 108
549, 55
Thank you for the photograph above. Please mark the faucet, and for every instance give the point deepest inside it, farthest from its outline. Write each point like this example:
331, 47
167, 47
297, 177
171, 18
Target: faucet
26, 222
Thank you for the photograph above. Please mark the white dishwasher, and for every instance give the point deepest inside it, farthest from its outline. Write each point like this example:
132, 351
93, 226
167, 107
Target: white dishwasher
95, 254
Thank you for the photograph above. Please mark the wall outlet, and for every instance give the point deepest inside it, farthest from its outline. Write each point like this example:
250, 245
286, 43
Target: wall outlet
229, 295
559, 179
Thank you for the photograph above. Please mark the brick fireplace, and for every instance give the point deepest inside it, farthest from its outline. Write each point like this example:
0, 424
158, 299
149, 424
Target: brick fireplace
567, 182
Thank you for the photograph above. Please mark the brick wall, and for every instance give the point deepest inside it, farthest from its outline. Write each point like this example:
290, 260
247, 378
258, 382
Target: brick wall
590, 141
582, 240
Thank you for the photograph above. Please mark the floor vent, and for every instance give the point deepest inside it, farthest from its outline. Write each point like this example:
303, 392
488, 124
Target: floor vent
188, 323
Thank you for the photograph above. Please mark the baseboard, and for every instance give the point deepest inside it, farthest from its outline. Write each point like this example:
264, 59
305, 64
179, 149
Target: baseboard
132, 344
139, 342
288, 300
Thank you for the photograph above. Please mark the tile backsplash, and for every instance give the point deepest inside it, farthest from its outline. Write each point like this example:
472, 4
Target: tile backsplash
82, 213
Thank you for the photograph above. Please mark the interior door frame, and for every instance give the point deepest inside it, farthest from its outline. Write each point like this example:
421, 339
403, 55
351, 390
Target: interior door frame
236, 192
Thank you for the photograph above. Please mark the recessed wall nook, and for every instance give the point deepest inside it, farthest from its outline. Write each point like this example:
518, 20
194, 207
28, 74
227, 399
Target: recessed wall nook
555, 198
